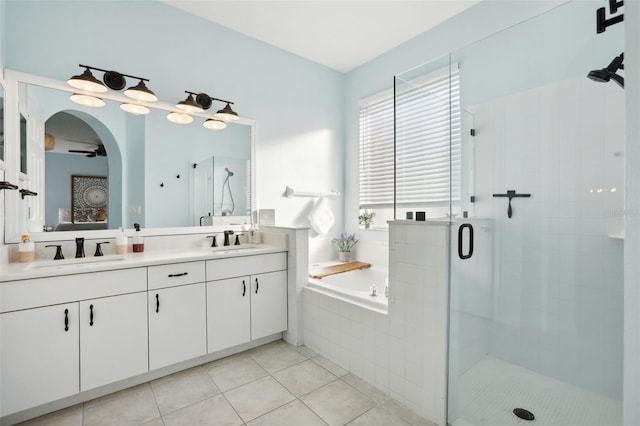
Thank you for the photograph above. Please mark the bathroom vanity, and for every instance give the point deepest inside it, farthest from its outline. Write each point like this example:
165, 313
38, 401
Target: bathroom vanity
74, 331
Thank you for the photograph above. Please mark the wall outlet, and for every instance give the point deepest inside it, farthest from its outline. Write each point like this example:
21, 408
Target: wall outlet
135, 210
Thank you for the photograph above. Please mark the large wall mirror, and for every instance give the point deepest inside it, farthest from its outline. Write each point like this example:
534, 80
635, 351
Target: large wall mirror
103, 168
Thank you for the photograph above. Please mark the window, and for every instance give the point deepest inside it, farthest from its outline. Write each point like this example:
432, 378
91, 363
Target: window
428, 136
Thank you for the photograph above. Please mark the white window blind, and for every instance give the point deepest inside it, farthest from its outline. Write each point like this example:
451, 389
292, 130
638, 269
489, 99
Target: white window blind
427, 145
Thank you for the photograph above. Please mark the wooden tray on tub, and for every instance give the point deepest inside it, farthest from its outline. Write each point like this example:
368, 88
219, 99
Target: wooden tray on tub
320, 273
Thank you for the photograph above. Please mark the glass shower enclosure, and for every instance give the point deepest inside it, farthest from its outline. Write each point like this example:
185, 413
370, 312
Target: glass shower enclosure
535, 202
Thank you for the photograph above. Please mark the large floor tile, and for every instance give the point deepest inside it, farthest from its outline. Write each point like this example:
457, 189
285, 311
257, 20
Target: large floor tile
371, 391
405, 413
132, 407
378, 416
212, 411
181, 389
338, 403
71, 416
259, 397
304, 377
331, 366
231, 373
155, 422
294, 413
306, 351
277, 356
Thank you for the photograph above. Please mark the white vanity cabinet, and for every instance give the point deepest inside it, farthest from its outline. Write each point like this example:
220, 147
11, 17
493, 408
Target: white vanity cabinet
246, 299
50, 351
177, 313
63, 335
228, 313
113, 339
39, 356
268, 304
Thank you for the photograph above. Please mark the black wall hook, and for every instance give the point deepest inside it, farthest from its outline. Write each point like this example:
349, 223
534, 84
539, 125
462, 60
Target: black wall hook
8, 185
26, 192
511, 194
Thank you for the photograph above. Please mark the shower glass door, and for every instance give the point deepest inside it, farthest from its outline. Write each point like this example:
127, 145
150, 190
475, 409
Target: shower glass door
535, 313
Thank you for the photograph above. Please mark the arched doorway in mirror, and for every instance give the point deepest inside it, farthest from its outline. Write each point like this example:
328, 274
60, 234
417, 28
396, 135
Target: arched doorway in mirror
83, 173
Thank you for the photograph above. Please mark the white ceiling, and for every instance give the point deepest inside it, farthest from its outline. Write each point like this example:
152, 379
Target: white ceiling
337, 33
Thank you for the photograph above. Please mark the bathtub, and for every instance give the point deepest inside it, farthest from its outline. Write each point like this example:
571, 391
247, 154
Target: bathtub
354, 287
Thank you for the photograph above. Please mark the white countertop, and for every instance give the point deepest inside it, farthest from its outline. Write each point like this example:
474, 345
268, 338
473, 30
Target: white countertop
46, 268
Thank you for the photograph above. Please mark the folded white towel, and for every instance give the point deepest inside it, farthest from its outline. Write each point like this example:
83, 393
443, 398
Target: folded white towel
321, 217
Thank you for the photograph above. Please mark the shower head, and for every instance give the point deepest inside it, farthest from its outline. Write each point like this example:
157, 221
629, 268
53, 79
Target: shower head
604, 75
229, 172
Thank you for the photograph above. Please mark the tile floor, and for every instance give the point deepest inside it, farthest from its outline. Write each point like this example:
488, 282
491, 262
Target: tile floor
274, 384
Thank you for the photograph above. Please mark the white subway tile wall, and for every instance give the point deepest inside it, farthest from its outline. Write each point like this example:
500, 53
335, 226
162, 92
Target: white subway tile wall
558, 273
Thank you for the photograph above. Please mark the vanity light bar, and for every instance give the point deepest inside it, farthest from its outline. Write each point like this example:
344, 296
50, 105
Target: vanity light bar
203, 102
113, 80
195, 103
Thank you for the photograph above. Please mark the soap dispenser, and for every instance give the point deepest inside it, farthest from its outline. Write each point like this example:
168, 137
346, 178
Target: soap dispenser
138, 239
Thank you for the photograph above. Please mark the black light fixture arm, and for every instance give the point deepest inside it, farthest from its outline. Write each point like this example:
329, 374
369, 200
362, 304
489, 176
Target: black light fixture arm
210, 97
103, 70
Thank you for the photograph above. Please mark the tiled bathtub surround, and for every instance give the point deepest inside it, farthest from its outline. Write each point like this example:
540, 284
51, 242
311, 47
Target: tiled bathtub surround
402, 353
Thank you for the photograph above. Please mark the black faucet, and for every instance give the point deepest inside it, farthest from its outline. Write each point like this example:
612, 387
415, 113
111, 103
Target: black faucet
59, 254
214, 242
226, 237
99, 249
79, 247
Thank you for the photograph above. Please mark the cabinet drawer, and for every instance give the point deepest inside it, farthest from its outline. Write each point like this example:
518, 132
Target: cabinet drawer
25, 294
219, 269
175, 274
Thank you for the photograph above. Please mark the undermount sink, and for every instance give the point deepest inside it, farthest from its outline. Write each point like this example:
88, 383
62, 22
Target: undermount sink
233, 249
82, 261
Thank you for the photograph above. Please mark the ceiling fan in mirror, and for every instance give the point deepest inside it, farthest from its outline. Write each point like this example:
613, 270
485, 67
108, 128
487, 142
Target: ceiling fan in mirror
98, 152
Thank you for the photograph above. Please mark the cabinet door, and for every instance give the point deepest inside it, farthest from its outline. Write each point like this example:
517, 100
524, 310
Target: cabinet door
39, 353
228, 313
177, 324
113, 339
268, 304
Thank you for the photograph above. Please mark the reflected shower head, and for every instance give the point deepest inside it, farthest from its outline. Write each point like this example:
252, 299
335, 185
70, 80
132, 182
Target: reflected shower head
229, 172
609, 73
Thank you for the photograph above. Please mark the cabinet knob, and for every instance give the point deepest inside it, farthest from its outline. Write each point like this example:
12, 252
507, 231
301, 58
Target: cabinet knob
91, 315
157, 303
257, 286
244, 288
66, 320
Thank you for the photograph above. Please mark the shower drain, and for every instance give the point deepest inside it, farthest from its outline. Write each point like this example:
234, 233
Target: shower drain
524, 414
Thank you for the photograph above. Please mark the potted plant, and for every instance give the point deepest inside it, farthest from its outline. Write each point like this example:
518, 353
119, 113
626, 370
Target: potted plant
345, 243
366, 218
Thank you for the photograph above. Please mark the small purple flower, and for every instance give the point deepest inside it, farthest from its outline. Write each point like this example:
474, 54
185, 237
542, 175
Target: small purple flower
345, 242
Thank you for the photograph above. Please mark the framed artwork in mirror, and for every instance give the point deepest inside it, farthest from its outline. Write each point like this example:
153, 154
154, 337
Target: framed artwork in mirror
89, 198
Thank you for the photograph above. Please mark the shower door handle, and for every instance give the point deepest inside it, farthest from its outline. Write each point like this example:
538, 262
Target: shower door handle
461, 255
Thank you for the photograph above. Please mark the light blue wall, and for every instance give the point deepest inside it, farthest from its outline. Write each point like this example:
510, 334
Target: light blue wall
58, 172
296, 102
